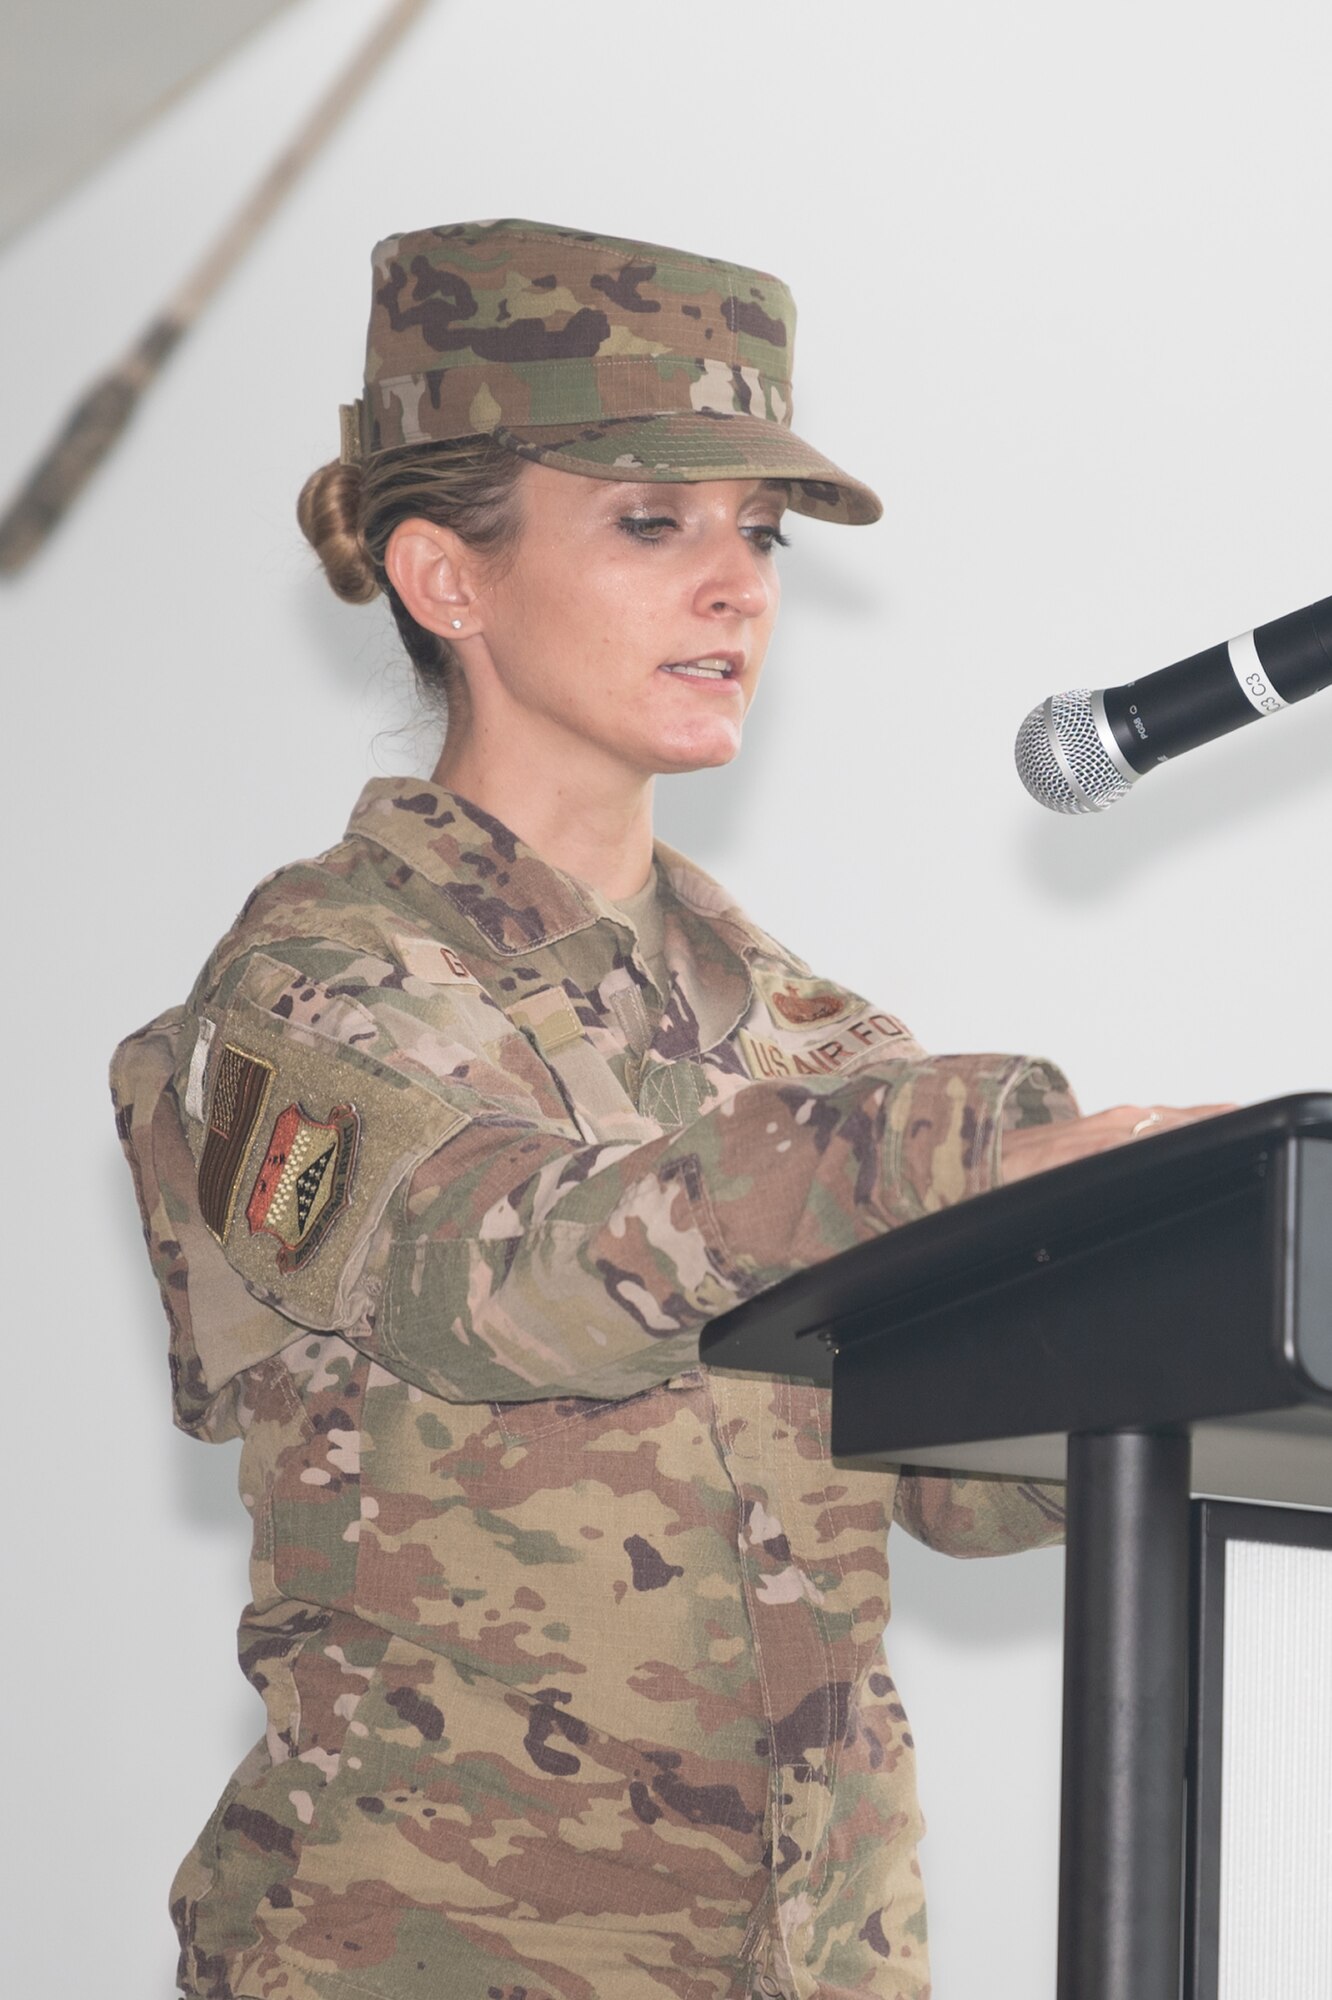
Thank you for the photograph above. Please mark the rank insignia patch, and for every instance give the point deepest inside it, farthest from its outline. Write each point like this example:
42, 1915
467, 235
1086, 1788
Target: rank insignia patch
794, 1002
240, 1088
801, 1009
301, 1188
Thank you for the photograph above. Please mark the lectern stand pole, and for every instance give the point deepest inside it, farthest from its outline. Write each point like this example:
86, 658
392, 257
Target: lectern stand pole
1126, 1651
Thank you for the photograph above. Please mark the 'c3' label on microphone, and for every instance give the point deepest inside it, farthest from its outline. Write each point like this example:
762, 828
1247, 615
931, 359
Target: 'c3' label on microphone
871, 1033
1254, 682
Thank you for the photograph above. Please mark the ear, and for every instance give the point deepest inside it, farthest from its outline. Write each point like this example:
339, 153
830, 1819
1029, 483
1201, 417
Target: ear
428, 567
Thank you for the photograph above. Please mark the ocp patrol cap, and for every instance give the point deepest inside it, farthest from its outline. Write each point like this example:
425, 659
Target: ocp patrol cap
593, 354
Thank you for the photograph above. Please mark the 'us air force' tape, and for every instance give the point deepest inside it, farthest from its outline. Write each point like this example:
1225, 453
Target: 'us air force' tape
871, 1033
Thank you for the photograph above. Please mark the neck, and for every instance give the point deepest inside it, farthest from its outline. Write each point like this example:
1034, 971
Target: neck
594, 823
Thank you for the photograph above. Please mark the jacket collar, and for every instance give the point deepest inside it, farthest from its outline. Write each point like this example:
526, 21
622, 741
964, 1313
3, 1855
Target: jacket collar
517, 901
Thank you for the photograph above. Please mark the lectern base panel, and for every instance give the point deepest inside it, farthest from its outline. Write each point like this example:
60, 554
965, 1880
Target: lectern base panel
1284, 1458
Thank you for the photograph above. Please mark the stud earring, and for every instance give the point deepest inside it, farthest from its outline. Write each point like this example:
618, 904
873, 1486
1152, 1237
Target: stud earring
456, 624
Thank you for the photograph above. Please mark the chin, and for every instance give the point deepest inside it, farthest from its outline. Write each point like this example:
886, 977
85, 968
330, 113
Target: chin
675, 758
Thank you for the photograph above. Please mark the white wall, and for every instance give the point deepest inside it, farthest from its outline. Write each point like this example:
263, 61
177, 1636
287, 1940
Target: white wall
1065, 301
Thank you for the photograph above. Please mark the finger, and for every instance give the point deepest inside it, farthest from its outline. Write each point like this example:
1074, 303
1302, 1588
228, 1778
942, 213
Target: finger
1169, 1117
1118, 1112
1179, 1114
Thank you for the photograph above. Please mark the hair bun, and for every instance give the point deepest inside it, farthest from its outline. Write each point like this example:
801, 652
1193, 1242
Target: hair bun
328, 511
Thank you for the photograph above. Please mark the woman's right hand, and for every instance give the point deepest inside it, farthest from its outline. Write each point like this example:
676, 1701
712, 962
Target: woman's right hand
1034, 1149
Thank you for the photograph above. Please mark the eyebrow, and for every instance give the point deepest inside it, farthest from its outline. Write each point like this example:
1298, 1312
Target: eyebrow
652, 487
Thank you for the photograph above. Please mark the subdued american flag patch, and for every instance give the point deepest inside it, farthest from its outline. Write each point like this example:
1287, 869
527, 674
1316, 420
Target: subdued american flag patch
240, 1088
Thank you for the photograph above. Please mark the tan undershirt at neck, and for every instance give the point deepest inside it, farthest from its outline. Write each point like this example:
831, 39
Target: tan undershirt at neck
645, 913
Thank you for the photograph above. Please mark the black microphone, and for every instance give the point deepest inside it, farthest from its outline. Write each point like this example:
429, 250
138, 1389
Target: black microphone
1080, 752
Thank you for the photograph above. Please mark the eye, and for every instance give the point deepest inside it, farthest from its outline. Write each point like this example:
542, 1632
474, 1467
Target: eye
767, 538
646, 527
651, 528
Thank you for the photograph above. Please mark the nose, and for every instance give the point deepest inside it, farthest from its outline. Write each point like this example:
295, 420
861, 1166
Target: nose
735, 578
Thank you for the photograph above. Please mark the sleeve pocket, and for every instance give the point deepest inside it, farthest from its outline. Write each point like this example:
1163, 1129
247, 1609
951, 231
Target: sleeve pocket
305, 1140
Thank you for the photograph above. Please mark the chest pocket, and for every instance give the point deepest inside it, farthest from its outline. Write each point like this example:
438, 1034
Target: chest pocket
671, 1093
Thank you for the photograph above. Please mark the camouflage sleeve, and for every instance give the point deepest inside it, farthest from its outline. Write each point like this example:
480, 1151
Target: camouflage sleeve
979, 1517
991, 1517
399, 1166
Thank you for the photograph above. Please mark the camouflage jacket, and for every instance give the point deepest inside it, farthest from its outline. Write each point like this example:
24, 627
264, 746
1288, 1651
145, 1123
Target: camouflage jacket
571, 1649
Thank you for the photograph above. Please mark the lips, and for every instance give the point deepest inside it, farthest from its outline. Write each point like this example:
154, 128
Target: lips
710, 667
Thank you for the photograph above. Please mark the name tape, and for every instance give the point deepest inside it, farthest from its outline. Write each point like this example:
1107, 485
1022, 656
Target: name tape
435, 963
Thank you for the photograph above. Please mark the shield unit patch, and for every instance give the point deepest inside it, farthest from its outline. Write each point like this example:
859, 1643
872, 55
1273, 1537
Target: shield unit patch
302, 1187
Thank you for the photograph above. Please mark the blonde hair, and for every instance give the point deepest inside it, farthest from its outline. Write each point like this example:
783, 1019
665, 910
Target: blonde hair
348, 512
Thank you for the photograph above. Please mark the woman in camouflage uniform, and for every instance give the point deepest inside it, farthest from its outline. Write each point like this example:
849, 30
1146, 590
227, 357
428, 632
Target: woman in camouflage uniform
571, 1651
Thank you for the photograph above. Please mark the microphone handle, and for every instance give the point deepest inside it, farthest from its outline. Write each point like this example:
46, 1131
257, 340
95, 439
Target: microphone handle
1211, 693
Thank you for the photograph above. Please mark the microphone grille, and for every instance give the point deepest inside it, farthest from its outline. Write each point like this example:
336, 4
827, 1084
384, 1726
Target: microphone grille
1061, 759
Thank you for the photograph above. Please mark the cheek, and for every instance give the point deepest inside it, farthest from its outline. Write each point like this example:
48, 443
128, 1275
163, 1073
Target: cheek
587, 600
549, 623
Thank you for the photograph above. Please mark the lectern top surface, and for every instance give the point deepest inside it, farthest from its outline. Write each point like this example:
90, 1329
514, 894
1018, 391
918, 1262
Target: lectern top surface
1186, 1276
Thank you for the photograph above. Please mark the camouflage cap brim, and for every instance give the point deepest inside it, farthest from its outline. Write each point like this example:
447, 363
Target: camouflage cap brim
597, 354
679, 447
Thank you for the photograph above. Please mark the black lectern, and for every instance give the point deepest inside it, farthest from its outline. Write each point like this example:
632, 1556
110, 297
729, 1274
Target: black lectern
1148, 1322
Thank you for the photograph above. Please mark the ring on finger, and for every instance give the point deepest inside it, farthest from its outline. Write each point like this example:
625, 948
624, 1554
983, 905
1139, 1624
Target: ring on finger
1145, 1124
